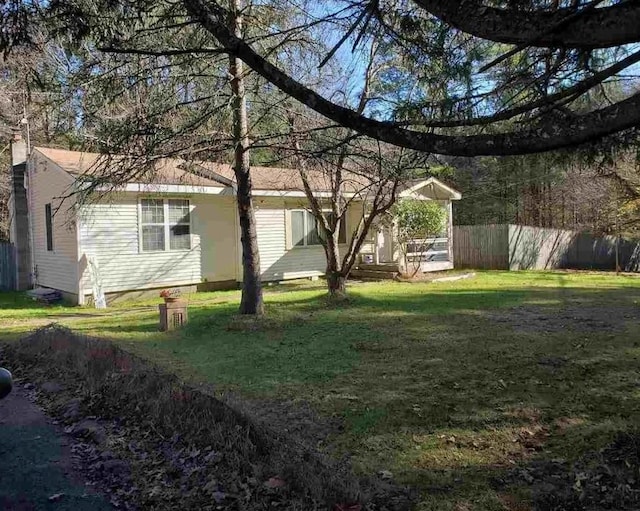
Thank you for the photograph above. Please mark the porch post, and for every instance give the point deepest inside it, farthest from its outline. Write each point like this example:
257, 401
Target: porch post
450, 231
396, 253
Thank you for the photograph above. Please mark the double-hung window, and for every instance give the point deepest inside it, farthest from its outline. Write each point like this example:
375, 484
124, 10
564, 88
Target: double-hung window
179, 224
305, 230
165, 224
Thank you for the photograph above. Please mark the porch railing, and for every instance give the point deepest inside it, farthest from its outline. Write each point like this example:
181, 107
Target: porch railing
428, 250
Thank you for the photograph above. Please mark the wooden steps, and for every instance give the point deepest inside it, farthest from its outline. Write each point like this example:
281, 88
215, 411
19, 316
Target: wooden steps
387, 271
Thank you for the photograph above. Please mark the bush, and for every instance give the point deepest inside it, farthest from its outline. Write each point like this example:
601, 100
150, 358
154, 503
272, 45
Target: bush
418, 219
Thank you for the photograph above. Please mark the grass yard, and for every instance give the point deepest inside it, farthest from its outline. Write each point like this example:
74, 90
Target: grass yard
452, 387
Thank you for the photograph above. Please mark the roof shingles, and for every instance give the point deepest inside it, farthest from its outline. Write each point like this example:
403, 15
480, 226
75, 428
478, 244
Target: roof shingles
177, 171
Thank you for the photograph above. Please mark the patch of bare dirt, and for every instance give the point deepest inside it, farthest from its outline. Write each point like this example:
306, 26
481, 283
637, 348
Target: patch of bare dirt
605, 480
436, 276
577, 318
295, 419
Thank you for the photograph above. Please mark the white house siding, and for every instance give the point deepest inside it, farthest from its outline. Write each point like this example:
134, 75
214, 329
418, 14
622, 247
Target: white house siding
47, 184
354, 214
277, 261
215, 220
109, 233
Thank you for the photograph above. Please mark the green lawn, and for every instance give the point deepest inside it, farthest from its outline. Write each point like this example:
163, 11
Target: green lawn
446, 385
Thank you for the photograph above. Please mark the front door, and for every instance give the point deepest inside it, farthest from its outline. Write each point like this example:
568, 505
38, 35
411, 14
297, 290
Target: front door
384, 245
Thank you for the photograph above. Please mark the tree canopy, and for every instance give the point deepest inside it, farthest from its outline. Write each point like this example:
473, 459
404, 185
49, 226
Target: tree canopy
462, 77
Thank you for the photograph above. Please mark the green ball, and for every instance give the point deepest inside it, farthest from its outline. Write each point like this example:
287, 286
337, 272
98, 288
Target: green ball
6, 382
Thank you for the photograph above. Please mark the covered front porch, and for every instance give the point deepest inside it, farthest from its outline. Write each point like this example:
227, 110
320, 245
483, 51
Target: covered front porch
383, 257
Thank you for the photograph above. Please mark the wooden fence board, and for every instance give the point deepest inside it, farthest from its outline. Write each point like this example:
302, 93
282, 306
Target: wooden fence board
519, 247
484, 247
7, 266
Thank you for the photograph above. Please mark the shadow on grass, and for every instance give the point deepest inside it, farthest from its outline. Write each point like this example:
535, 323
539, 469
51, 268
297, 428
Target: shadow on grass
450, 300
309, 340
409, 367
105, 330
20, 301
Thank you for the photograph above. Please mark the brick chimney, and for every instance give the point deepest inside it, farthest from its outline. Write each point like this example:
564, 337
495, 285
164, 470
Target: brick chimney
20, 228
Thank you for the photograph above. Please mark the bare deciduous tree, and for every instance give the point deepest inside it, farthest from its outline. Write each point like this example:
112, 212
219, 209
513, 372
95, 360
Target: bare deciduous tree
362, 180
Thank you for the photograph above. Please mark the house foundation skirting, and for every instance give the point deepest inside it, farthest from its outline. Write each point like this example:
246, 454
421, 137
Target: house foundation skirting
141, 294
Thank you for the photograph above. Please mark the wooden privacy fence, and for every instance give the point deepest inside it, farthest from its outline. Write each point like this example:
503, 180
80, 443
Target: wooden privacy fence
519, 247
7, 266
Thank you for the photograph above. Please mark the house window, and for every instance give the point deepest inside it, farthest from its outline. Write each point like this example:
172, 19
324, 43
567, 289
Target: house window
179, 224
152, 224
306, 232
48, 226
165, 224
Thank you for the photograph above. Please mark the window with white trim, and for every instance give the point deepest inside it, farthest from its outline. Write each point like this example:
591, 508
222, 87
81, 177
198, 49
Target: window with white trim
165, 224
305, 231
179, 224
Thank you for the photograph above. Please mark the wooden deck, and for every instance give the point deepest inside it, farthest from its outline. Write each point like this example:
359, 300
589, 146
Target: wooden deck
390, 271
385, 271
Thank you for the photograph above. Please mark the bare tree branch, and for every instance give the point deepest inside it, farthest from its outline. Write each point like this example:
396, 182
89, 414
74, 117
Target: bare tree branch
166, 52
554, 134
569, 92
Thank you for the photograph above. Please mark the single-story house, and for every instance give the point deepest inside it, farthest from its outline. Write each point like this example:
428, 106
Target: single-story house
179, 230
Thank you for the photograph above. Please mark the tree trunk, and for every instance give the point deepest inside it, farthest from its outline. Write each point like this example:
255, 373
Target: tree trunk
335, 274
336, 280
251, 301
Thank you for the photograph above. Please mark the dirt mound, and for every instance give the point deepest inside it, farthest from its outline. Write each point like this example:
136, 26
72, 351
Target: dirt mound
179, 447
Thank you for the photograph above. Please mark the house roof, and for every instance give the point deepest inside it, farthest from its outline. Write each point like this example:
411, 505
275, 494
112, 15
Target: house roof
436, 189
173, 171
177, 171
79, 163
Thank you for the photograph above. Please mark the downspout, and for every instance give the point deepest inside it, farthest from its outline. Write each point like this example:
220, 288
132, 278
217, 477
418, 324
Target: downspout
450, 230
236, 226
27, 168
79, 274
